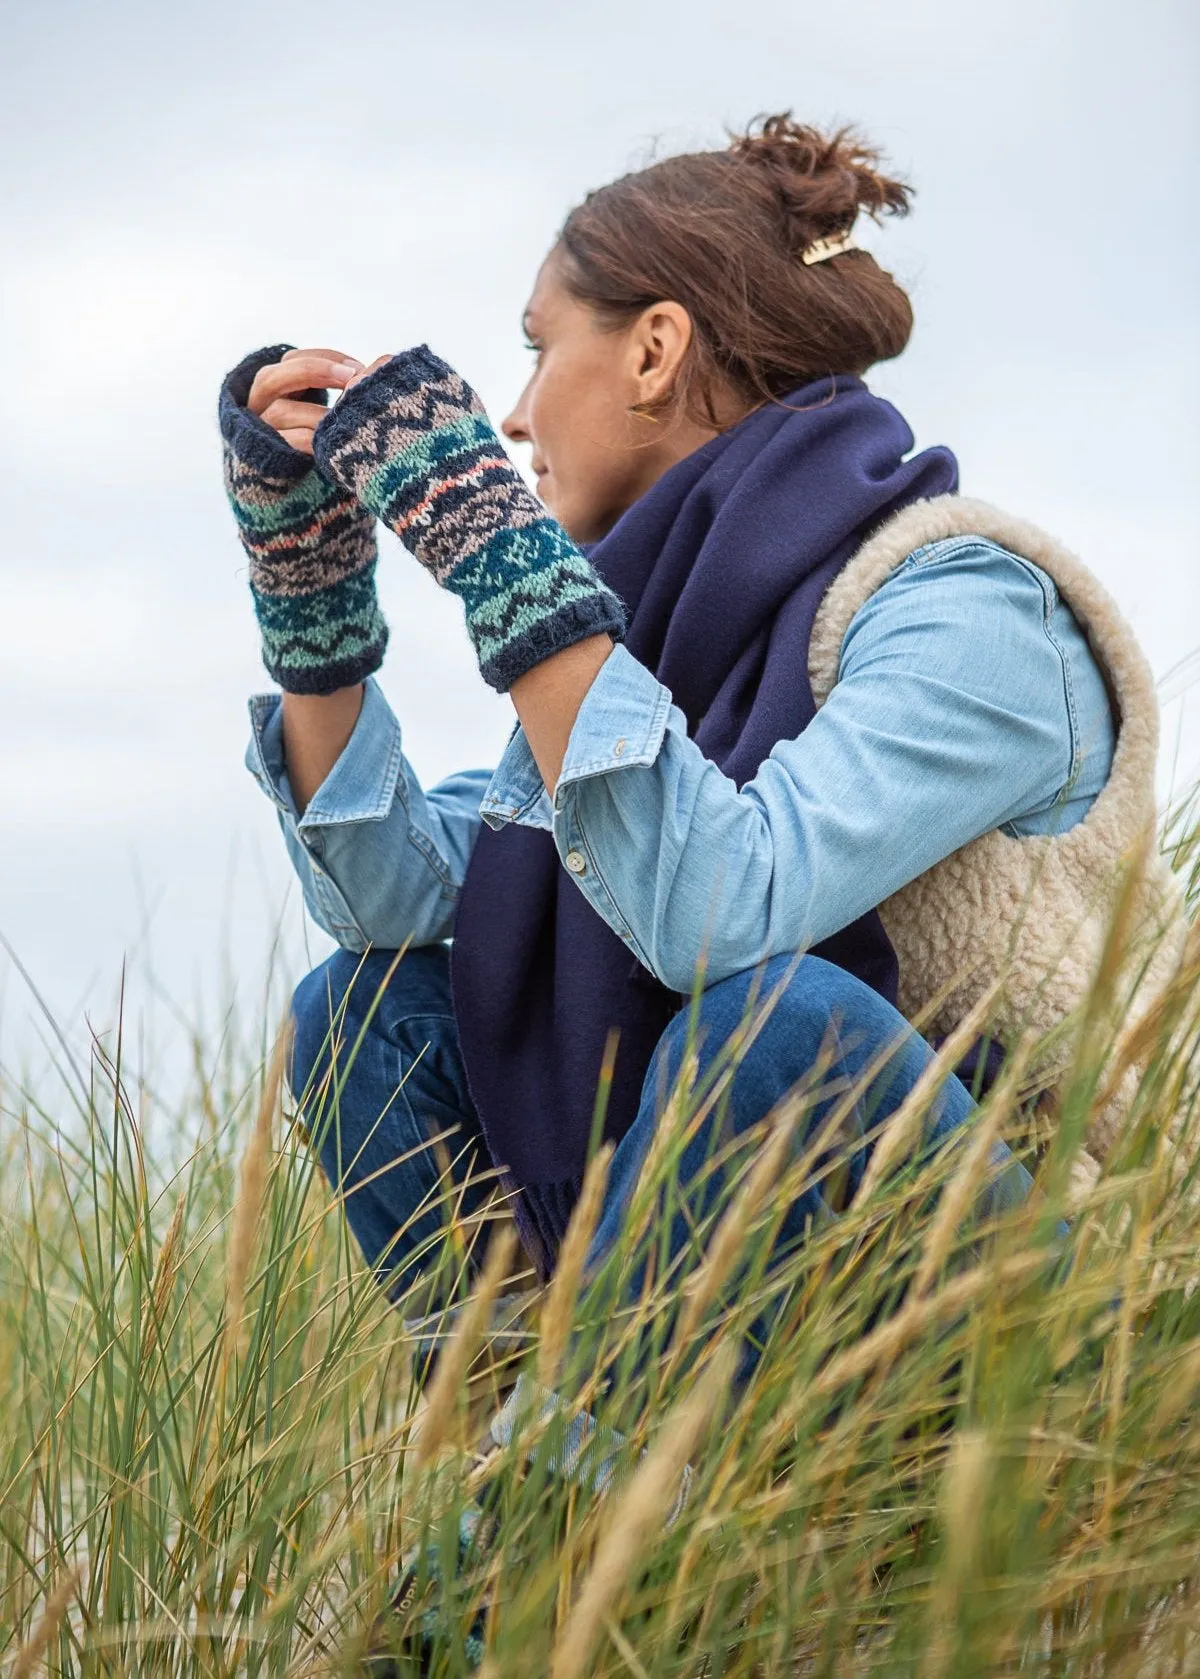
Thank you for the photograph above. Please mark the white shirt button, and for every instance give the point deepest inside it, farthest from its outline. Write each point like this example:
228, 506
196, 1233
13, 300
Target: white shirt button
620, 747
576, 862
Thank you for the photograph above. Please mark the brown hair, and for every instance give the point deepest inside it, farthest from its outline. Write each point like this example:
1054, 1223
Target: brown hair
722, 232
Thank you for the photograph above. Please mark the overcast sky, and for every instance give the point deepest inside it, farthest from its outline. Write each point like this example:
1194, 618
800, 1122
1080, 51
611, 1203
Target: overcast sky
183, 184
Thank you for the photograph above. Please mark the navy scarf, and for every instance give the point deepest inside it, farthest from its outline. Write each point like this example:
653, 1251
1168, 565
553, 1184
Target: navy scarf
721, 566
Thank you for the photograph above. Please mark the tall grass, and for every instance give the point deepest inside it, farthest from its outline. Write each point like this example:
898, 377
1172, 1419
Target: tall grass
961, 1451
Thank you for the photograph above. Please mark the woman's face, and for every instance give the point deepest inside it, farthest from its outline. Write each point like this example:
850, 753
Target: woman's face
592, 454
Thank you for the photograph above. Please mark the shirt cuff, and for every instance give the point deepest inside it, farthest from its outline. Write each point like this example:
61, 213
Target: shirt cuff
264, 755
361, 786
620, 724
516, 792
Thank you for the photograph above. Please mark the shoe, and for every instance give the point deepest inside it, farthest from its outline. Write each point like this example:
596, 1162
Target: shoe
574, 1448
406, 1638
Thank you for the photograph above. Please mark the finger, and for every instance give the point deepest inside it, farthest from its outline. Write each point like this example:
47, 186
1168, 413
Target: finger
378, 362
327, 355
302, 373
283, 415
301, 441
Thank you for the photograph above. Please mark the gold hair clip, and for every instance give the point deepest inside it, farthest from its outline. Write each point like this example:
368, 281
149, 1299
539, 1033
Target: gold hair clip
822, 249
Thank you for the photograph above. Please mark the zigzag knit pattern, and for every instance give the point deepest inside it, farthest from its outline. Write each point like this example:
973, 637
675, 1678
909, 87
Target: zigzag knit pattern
311, 549
412, 442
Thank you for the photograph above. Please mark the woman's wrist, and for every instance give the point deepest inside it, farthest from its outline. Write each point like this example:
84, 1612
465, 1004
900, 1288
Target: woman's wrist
547, 701
316, 731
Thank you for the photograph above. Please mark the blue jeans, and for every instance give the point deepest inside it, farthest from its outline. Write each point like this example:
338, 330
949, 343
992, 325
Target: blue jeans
391, 1116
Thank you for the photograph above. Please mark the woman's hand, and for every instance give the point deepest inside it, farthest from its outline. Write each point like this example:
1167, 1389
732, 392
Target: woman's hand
362, 373
278, 392
311, 547
412, 443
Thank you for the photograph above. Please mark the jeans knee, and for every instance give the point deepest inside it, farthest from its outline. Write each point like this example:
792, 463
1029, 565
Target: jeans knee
800, 1010
801, 990
350, 992
321, 1006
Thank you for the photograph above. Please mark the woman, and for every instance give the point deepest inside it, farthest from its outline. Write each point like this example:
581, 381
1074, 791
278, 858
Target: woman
779, 689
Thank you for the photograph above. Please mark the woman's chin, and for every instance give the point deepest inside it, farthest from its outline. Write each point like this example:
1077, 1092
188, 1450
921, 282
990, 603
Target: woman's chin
583, 523
559, 507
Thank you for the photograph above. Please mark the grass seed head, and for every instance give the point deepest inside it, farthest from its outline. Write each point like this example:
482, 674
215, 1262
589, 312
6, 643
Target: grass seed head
247, 1211
558, 1312
638, 1513
29, 1657
448, 1385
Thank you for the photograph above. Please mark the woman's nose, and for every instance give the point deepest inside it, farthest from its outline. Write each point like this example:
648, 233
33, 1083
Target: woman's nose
514, 426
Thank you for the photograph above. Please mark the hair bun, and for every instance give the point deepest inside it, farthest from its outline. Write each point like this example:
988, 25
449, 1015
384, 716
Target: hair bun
821, 181
721, 233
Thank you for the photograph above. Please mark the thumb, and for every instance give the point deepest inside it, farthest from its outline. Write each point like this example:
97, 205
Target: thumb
380, 361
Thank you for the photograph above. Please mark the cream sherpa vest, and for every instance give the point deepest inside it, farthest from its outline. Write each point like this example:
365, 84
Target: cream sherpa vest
1030, 914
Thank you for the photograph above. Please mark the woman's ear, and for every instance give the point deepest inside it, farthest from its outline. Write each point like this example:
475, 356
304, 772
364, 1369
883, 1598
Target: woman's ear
659, 341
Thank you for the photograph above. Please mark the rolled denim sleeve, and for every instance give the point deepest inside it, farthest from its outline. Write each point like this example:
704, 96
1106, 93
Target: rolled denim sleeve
380, 860
955, 713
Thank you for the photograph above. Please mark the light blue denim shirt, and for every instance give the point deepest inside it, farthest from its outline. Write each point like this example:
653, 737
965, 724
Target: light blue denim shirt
967, 699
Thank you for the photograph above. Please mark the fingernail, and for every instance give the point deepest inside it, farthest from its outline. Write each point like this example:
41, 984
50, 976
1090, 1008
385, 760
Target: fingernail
347, 368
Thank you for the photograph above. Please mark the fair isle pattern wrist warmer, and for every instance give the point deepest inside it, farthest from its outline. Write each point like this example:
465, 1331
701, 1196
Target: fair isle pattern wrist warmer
413, 443
311, 549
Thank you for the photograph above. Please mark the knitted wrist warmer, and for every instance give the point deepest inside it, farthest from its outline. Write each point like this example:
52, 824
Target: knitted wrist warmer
414, 445
311, 549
